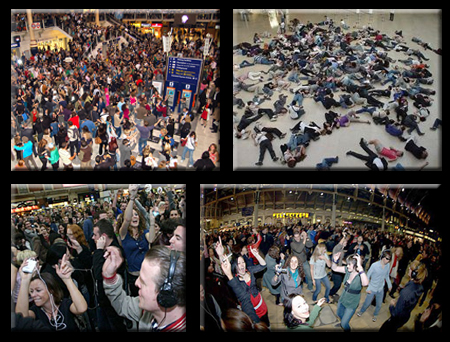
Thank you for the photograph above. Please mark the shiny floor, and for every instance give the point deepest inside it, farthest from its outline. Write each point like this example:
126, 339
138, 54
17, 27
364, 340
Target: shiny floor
426, 26
327, 319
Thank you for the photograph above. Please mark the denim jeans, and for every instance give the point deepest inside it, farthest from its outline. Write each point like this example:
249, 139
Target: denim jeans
327, 284
191, 155
369, 298
345, 314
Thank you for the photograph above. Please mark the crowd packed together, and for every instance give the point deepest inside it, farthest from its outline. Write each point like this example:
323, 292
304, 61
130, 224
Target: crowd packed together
336, 67
102, 111
111, 266
284, 260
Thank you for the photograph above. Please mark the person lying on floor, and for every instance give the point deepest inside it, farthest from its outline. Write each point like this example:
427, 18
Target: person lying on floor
373, 162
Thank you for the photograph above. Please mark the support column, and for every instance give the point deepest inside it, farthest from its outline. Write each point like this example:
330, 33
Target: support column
33, 42
97, 20
333, 211
255, 210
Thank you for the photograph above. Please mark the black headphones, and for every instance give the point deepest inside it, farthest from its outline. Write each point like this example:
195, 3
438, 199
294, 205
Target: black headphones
384, 252
167, 297
415, 272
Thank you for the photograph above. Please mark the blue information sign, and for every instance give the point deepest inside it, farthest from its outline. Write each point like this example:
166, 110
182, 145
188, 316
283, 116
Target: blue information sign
184, 70
183, 75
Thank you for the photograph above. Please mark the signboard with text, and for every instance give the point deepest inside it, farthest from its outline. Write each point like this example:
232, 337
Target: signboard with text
183, 74
184, 70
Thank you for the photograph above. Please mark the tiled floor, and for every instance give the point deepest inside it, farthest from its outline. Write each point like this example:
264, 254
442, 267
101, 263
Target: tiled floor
425, 26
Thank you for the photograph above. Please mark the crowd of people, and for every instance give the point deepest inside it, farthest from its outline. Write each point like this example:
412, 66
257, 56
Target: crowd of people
114, 266
336, 67
289, 260
101, 111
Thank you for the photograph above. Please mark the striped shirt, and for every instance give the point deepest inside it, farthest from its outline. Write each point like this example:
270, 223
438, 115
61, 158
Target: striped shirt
178, 326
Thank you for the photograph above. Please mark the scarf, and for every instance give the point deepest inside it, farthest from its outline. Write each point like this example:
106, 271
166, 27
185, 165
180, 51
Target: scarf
294, 276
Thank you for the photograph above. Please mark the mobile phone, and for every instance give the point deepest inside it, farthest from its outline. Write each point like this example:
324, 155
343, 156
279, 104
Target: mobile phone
29, 268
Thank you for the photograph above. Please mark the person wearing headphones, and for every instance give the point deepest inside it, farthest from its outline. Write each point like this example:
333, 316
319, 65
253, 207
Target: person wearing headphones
161, 305
402, 306
355, 278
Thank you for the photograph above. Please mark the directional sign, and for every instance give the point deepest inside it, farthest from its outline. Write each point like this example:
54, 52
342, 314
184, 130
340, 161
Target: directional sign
184, 70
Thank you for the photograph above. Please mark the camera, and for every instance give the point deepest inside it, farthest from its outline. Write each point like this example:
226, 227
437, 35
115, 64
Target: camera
280, 270
29, 268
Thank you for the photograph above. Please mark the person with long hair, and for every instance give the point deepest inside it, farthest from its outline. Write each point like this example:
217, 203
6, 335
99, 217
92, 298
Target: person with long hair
50, 307
318, 262
296, 312
236, 320
134, 237
243, 282
299, 247
290, 278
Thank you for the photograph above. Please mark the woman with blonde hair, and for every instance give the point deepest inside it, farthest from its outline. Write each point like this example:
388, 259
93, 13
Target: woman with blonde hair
16, 279
397, 255
318, 262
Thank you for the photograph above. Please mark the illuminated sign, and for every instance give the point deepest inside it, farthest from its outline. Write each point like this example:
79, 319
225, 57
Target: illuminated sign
21, 210
291, 215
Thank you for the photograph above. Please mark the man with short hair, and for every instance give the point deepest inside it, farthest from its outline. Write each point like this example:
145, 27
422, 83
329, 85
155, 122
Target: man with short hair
161, 305
104, 237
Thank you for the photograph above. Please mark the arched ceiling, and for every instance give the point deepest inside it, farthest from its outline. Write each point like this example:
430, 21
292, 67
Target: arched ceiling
416, 202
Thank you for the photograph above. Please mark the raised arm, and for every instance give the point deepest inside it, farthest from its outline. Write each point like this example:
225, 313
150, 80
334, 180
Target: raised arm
65, 271
128, 215
334, 265
260, 259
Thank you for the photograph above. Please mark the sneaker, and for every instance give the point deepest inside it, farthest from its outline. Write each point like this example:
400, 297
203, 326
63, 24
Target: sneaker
374, 319
359, 314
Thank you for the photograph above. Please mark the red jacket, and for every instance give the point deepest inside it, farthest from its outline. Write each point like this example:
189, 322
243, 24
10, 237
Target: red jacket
162, 109
255, 246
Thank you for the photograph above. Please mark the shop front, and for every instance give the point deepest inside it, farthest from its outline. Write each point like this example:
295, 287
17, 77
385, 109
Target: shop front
52, 44
153, 28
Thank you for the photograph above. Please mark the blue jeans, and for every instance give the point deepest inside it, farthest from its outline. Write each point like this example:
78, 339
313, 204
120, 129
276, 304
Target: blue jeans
327, 284
191, 155
142, 144
368, 301
345, 314
326, 163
